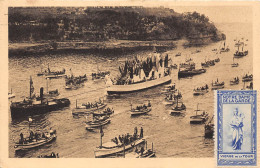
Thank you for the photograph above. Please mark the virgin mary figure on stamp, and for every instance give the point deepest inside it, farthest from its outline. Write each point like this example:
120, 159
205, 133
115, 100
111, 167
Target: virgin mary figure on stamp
237, 125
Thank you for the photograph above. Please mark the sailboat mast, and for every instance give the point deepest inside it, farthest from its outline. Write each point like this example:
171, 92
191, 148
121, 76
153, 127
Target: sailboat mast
47, 85
30, 87
197, 109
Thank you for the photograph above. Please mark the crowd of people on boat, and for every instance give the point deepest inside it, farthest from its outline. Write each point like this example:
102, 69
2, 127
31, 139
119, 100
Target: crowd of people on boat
109, 110
143, 68
143, 107
171, 87
75, 80
217, 83
190, 65
173, 96
127, 138
52, 155
208, 63
206, 87
49, 72
100, 74
236, 79
33, 136
90, 105
250, 85
248, 77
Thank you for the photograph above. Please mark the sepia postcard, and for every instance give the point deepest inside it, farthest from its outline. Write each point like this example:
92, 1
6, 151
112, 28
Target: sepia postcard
129, 83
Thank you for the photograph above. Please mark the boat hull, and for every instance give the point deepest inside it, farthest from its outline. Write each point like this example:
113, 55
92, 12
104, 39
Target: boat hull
92, 126
217, 87
19, 147
183, 74
176, 113
18, 111
136, 113
202, 92
82, 111
122, 89
105, 152
209, 133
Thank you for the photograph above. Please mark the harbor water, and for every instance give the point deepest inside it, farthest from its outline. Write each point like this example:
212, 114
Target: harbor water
171, 136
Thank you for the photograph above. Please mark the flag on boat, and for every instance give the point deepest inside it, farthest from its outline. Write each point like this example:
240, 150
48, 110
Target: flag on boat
101, 131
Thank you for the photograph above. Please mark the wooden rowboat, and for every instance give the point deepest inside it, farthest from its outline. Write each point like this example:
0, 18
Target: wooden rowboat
35, 143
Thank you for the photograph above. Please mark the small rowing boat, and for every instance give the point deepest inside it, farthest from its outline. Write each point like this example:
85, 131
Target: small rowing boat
178, 54
88, 108
28, 143
96, 124
235, 81
139, 110
178, 110
247, 78
201, 90
217, 85
107, 111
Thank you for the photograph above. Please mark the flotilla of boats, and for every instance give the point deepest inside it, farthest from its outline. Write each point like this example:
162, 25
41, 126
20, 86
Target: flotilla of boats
136, 75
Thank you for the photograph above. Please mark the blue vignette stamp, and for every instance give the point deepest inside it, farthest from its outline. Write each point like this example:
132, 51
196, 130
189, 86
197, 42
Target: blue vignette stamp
236, 134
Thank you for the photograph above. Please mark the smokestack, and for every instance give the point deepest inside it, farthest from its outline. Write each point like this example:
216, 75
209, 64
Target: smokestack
41, 94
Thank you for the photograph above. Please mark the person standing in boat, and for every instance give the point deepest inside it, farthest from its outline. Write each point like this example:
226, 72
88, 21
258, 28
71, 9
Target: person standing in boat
142, 150
135, 133
21, 138
141, 132
31, 135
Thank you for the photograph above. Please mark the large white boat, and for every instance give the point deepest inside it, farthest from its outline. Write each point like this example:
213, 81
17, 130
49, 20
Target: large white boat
139, 75
119, 89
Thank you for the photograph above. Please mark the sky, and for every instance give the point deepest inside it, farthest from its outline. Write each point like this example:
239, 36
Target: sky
221, 14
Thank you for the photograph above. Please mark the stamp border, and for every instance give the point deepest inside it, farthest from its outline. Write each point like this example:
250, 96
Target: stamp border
219, 129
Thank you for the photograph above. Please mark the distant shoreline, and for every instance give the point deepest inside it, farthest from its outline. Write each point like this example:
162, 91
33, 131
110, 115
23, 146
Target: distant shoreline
112, 46
31, 48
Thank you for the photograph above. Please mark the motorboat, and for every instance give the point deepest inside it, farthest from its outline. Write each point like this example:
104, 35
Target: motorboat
199, 118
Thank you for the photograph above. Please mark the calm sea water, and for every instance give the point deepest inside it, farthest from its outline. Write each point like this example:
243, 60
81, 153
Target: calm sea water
171, 136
